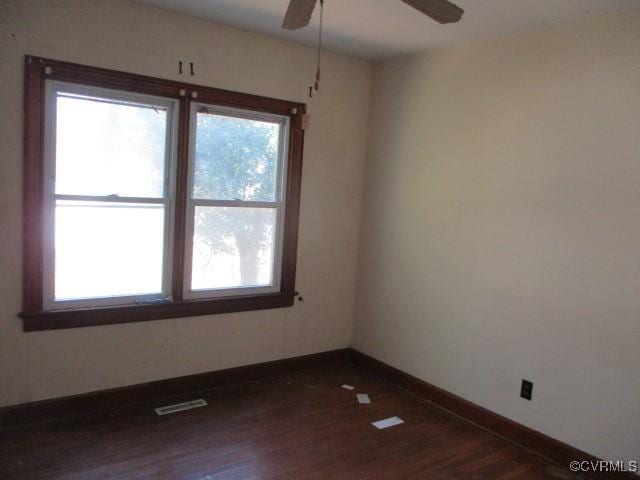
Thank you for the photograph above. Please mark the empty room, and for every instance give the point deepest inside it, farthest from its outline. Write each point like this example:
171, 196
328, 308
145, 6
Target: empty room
319, 239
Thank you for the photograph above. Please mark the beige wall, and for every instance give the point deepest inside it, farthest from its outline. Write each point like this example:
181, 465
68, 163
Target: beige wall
501, 227
126, 36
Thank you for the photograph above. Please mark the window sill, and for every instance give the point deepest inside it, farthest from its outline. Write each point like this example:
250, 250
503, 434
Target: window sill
86, 317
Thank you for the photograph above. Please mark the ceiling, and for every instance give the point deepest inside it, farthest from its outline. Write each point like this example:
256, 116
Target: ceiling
376, 29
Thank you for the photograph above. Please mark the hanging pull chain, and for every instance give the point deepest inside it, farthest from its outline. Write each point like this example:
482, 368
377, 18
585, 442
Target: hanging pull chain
316, 83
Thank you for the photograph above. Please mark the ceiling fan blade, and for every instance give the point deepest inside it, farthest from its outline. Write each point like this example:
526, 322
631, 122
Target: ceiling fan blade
298, 14
442, 11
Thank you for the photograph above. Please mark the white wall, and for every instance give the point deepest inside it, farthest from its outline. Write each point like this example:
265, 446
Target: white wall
501, 227
126, 36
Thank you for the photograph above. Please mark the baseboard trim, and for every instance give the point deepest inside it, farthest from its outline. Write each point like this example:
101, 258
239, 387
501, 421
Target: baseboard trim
103, 401
534, 441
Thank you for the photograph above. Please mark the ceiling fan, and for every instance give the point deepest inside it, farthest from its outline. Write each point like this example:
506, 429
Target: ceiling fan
442, 11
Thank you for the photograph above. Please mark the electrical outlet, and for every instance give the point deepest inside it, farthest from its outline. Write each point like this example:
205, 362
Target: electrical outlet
526, 389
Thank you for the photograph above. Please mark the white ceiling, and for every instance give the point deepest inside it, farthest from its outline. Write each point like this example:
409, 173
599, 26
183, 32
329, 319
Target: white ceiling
375, 29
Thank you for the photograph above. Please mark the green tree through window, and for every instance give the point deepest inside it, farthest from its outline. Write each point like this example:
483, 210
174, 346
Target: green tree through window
237, 159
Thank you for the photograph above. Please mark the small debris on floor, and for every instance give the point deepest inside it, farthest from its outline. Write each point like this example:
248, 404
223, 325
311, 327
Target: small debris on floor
181, 407
387, 422
348, 387
363, 398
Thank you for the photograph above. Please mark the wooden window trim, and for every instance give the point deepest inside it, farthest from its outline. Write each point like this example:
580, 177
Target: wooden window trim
37, 70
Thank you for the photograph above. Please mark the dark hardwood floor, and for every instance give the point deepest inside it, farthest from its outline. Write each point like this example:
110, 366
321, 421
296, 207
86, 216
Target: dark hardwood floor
302, 426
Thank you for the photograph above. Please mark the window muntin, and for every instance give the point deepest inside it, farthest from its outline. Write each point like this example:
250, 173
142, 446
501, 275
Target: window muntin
236, 204
109, 175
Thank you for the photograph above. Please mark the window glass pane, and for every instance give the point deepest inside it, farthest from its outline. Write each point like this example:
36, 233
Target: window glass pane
107, 249
233, 247
235, 158
105, 147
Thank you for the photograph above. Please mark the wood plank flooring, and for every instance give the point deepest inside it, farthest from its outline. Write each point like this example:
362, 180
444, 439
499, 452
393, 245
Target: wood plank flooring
303, 427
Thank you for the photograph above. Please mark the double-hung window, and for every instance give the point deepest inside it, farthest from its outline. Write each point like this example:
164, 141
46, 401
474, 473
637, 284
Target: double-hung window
235, 208
109, 163
147, 198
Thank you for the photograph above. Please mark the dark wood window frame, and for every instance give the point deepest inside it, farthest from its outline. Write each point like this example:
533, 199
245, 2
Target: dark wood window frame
37, 71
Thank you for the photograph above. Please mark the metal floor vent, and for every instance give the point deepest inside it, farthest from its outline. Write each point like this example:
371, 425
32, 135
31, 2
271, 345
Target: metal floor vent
179, 407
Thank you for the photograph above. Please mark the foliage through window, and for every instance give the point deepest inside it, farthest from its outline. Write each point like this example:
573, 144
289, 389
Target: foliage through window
236, 199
